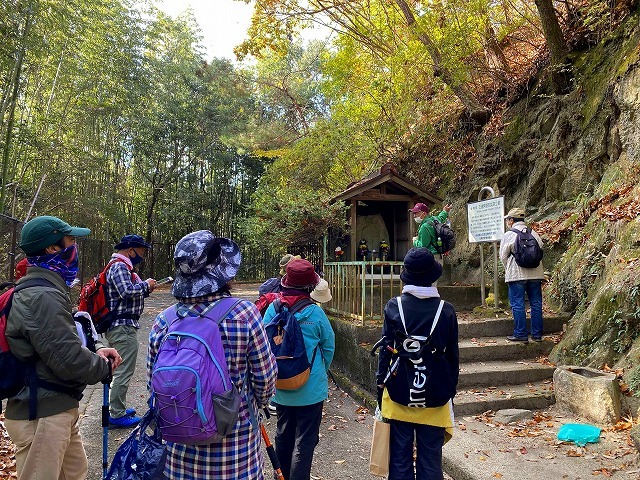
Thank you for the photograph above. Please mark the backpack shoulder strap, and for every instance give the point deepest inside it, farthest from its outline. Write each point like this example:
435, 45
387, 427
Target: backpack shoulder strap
301, 305
113, 262
33, 282
225, 305
435, 319
399, 298
277, 304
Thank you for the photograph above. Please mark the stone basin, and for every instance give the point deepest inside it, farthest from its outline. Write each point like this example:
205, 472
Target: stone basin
588, 392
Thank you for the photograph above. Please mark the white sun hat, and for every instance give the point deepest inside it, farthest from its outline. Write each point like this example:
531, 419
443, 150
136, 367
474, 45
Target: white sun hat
322, 293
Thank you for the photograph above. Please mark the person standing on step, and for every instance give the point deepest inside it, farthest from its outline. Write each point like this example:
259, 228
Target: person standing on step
429, 327
43, 421
426, 236
125, 293
522, 280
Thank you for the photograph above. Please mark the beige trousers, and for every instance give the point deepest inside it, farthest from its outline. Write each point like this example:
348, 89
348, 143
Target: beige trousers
49, 448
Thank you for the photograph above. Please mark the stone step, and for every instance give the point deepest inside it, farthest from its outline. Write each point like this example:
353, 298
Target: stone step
489, 327
499, 348
529, 396
498, 374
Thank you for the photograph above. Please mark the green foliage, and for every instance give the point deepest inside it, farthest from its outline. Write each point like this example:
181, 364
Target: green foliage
634, 381
285, 216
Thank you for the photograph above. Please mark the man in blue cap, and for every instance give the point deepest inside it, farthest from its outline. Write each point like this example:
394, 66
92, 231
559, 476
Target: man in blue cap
125, 293
42, 418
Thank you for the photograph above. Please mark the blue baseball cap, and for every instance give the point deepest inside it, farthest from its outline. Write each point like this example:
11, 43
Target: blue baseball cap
132, 241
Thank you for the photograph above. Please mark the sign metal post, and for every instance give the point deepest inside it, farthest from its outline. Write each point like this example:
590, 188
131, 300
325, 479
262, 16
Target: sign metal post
486, 224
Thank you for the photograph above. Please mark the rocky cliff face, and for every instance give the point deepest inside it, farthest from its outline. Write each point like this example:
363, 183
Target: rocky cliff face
574, 162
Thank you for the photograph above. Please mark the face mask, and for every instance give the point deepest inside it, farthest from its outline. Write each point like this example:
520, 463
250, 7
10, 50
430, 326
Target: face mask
418, 220
64, 262
137, 259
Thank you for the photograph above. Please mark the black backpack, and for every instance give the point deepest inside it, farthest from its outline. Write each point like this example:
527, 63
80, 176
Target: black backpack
526, 251
445, 237
419, 375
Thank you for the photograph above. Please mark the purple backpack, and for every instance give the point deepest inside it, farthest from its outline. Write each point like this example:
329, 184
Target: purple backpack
196, 402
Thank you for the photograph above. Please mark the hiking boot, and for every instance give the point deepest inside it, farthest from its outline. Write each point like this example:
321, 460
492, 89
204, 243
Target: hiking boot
124, 422
511, 338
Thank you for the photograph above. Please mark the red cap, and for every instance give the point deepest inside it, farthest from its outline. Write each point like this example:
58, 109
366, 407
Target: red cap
21, 269
419, 207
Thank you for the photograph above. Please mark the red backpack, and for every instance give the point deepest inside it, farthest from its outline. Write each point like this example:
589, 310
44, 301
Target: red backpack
94, 300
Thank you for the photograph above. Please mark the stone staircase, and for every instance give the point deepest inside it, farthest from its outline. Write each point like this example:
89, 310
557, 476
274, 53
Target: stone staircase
496, 374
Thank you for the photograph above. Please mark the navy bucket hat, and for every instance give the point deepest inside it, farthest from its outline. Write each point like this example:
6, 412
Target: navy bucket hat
204, 264
420, 268
132, 241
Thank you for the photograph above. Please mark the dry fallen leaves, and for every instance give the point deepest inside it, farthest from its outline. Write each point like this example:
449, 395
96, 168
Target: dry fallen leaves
602, 471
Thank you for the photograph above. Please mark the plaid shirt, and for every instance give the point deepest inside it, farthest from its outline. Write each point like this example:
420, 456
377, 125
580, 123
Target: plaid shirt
126, 292
246, 347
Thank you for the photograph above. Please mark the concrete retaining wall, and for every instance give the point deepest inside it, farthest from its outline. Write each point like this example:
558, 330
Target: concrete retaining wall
351, 358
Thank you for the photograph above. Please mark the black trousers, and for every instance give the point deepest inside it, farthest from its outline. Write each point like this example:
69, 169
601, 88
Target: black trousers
428, 440
297, 435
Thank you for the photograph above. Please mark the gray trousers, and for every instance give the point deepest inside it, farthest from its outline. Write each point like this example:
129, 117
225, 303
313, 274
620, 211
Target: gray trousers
124, 338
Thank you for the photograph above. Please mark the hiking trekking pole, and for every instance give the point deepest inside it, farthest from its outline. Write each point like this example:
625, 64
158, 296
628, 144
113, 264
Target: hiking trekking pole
270, 450
105, 421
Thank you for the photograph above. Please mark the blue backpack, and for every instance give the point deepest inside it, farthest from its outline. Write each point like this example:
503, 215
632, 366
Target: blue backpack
196, 401
287, 344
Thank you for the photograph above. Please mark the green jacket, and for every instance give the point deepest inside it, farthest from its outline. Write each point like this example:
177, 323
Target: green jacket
40, 324
427, 234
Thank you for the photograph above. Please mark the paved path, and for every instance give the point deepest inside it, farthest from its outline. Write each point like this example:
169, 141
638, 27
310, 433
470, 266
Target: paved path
480, 448
343, 451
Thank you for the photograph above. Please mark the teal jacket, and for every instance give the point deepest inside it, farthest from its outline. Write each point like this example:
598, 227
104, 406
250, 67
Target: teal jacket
317, 332
427, 234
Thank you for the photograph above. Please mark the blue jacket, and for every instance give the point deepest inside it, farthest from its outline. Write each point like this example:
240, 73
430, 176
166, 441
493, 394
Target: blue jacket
317, 332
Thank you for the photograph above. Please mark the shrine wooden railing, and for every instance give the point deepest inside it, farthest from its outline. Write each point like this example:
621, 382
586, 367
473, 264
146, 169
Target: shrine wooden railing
361, 289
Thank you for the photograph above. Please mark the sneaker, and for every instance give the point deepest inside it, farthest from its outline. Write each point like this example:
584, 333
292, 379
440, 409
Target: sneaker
130, 412
511, 338
125, 421
536, 339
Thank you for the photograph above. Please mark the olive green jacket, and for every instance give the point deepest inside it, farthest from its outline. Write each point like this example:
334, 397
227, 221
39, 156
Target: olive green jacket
40, 325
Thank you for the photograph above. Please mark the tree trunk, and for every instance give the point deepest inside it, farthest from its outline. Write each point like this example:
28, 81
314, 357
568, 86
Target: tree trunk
496, 60
561, 71
476, 111
4, 180
155, 194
